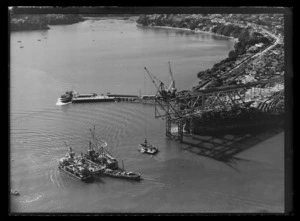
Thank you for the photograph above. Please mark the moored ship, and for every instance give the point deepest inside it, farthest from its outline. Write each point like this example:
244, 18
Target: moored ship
66, 97
74, 97
79, 167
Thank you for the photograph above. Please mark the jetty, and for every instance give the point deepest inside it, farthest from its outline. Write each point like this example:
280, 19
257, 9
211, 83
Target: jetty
92, 99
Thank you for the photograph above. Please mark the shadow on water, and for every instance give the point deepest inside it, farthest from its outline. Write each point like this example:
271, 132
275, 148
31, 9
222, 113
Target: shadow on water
98, 180
224, 145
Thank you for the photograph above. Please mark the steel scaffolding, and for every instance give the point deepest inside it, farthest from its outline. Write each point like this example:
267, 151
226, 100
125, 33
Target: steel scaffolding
184, 108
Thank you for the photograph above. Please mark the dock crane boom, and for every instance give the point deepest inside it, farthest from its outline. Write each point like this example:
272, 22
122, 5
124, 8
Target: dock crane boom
160, 88
172, 85
152, 77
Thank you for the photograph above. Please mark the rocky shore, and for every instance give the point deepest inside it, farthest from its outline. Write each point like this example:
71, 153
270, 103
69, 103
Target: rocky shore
41, 22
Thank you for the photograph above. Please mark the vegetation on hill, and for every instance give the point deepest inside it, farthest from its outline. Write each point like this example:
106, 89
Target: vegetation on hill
41, 22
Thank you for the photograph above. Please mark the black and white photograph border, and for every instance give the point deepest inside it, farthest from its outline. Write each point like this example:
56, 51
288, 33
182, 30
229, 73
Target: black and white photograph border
150, 110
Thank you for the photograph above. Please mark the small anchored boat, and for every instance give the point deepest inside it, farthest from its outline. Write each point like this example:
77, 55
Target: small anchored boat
148, 148
14, 192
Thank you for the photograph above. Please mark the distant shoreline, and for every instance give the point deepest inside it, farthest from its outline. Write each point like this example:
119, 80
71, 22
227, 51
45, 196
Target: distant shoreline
41, 22
189, 30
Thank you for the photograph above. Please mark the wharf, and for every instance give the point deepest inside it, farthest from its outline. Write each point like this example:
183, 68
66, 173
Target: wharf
93, 99
122, 95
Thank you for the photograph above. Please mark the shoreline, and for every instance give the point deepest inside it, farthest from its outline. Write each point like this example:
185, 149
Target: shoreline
227, 71
33, 22
187, 29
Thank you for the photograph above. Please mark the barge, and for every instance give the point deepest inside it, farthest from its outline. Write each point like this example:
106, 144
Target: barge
79, 167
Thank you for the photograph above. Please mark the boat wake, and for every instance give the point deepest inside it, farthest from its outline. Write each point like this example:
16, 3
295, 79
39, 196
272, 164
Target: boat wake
29, 199
59, 103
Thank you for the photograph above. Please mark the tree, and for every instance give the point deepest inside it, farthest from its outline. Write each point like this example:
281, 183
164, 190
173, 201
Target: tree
232, 55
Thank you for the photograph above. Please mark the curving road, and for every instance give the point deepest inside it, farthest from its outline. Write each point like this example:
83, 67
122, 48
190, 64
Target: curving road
278, 40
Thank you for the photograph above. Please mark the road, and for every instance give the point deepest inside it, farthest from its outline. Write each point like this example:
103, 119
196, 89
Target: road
278, 40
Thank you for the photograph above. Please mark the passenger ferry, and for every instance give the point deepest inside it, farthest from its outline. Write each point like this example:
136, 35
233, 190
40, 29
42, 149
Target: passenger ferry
74, 97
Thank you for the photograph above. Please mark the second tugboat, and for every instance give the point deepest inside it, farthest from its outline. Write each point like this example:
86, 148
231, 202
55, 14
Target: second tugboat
122, 174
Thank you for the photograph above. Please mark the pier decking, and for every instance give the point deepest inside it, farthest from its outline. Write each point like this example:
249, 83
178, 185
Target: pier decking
93, 99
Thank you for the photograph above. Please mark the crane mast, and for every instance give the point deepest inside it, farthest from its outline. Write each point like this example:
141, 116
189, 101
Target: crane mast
172, 85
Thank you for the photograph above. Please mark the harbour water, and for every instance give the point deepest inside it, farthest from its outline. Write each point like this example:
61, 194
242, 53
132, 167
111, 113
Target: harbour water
109, 55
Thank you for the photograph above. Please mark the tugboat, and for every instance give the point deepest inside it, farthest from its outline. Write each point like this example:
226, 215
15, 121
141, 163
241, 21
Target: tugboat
122, 174
80, 170
103, 158
67, 97
148, 148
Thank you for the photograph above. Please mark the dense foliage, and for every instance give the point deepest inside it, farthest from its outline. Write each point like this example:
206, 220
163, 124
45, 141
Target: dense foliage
41, 22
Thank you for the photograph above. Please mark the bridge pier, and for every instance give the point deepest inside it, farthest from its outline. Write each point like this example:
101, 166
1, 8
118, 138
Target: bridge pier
168, 126
191, 106
191, 126
180, 129
179, 124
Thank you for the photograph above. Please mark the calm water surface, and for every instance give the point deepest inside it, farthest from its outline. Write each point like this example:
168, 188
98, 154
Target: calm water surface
109, 56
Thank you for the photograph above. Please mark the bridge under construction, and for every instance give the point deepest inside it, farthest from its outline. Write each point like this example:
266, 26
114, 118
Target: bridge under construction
180, 107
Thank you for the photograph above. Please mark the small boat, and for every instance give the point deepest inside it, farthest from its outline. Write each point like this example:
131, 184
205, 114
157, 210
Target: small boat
39, 39
121, 174
19, 41
21, 46
14, 192
148, 148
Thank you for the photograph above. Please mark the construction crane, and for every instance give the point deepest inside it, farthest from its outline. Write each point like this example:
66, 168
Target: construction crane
171, 88
160, 86
185, 107
165, 103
